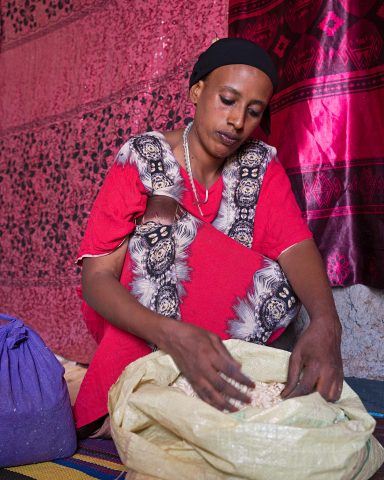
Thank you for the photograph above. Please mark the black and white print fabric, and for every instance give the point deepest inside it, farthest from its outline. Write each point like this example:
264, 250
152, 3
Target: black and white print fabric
242, 177
269, 305
160, 253
158, 169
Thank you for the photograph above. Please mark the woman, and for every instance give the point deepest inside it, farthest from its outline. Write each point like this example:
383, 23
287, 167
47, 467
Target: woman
207, 207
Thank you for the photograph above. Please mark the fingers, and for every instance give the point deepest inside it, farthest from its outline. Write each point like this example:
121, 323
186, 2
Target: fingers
330, 385
315, 365
212, 372
305, 384
332, 392
221, 394
294, 370
307, 378
223, 383
227, 365
329, 389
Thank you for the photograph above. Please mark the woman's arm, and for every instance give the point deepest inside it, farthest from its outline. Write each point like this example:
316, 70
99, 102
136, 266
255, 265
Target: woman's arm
200, 355
315, 363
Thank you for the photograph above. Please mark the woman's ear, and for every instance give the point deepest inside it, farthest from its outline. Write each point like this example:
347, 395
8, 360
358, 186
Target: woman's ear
195, 91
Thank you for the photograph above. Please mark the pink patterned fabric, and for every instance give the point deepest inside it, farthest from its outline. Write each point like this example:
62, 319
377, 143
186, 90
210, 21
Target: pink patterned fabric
78, 78
328, 121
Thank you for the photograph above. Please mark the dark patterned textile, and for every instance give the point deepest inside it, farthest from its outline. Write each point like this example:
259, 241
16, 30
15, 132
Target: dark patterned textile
94, 459
328, 121
78, 78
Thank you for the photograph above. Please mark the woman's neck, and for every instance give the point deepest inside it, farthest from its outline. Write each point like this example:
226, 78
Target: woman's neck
206, 169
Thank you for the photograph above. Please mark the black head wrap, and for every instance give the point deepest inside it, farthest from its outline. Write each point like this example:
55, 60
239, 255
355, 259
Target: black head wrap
230, 51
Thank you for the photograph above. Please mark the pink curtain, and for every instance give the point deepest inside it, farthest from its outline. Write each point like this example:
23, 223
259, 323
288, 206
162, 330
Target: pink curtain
78, 77
328, 121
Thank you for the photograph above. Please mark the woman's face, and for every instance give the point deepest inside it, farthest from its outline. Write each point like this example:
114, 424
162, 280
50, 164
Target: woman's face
229, 105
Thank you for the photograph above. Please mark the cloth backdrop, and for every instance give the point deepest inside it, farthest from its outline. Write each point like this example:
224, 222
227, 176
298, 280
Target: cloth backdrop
328, 121
77, 78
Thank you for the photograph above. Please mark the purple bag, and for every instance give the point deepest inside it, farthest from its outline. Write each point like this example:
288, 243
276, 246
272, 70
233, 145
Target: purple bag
36, 421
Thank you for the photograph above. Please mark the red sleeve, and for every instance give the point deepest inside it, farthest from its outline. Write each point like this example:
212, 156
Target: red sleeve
122, 198
279, 223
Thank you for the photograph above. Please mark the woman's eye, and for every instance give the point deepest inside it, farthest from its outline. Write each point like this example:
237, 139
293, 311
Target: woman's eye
227, 101
254, 113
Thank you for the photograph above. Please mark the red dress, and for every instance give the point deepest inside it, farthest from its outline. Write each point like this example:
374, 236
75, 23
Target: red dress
217, 271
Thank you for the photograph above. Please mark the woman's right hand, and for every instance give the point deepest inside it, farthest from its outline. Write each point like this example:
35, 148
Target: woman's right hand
203, 359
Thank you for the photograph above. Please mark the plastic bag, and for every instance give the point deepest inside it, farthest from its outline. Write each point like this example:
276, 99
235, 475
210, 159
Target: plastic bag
160, 431
36, 421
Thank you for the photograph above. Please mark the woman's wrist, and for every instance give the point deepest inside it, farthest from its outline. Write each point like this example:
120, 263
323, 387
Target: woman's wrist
329, 322
164, 331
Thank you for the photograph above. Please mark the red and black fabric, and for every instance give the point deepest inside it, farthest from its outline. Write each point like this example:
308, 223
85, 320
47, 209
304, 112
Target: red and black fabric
77, 79
327, 121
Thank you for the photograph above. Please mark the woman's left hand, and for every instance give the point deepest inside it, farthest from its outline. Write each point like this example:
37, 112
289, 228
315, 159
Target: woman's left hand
316, 363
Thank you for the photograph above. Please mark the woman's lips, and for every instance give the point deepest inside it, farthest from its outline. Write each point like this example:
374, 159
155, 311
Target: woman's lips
228, 139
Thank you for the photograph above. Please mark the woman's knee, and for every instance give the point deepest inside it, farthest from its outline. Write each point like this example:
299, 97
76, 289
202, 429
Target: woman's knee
161, 209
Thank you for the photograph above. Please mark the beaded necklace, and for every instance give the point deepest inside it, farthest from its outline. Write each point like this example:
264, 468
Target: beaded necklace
189, 171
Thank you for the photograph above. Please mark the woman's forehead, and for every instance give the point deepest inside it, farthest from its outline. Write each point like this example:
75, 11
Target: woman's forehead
239, 74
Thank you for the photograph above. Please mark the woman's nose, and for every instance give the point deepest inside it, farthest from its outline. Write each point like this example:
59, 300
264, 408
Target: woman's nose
236, 117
